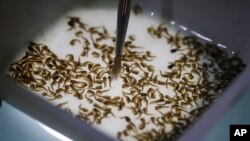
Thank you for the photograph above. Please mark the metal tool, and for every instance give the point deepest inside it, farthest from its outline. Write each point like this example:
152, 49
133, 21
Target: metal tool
123, 14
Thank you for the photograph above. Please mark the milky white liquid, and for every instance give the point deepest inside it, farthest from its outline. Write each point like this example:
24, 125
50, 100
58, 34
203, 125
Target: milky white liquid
57, 38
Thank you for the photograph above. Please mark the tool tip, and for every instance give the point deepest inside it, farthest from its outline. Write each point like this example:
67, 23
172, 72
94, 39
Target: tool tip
116, 67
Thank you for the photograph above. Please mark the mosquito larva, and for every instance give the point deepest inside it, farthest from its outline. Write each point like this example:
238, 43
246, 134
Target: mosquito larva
41, 82
110, 80
60, 105
161, 82
151, 68
60, 90
131, 37
128, 100
171, 66
173, 50
79, 34
137, 9
157, 101
95, 54
83, 108
69, 57
135, 71
143, 64
73, 42
145, 111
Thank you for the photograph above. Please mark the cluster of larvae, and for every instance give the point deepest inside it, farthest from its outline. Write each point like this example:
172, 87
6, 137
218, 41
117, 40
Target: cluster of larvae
161, 103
